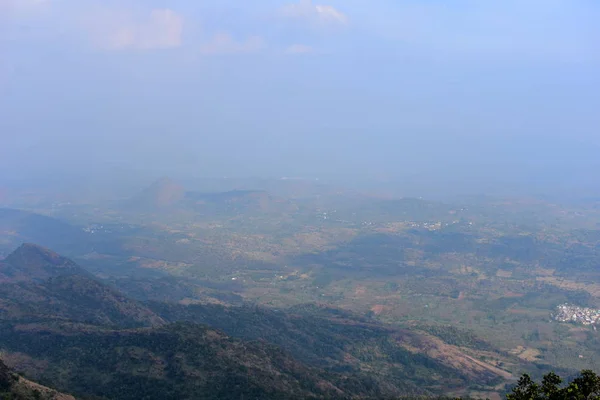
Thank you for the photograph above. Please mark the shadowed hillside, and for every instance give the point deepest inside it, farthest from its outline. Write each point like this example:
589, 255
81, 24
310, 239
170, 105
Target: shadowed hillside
31, 262
15, 387
74, 332
40, 285
180, 361
401, 360
18, 226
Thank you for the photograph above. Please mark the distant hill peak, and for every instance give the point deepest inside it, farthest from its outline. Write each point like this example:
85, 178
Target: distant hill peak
32, 249
162, 193
33, 262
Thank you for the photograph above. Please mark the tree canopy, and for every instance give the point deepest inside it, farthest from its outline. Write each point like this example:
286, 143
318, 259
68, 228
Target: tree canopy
585, 386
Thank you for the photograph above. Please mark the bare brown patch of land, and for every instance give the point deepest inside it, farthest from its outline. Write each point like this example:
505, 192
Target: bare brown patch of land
526, 353
502, 273
451, 356
591, 288
378, 309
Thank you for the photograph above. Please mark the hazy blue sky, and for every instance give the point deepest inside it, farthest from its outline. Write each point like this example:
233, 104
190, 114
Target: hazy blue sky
371, 88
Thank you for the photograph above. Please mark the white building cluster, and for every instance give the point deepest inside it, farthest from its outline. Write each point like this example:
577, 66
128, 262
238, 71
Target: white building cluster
580, 315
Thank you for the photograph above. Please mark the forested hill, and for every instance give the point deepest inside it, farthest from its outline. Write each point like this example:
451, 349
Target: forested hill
15, 387
67, 329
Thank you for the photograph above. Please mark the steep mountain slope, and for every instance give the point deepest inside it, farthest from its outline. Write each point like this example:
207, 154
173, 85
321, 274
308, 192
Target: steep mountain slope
15, 387
40, 285
72, 298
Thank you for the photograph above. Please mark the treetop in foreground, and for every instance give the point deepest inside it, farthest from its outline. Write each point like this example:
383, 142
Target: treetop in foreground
585, 386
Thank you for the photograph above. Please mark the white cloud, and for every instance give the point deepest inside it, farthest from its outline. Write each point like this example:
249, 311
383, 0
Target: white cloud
158, 29
224, 43
322, 14
299, 49
331, 14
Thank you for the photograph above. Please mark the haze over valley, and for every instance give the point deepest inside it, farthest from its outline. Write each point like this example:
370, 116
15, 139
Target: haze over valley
299, 199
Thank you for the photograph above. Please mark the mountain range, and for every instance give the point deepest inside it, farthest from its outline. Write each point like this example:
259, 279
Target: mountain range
67, 329
166, 195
